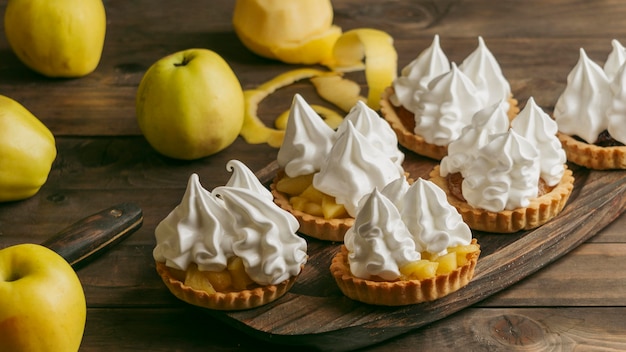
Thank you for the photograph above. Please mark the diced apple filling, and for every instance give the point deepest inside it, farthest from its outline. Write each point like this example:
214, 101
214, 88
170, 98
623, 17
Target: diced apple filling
462, 252
240, 280
431, 265
233, 278
294, 185
419, 270
306, 198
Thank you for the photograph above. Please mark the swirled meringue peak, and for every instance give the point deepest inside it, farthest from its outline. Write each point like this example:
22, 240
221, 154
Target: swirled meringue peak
504, 175
616, 113
434, 224
307, 142
376, 130
396, 190
379, 243
264, 236
354, 167
484, 70
243, 177
537, 127
614, 61
580, 110
193, 231
447, 107
414, 77
490, 120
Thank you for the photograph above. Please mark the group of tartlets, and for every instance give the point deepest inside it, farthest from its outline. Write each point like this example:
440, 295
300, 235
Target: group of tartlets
501, 169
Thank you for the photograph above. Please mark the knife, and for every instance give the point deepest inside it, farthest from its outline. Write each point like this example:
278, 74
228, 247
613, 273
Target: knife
91, 236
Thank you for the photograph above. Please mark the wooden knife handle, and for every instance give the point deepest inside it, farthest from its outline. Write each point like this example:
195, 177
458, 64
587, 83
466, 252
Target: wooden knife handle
96, 233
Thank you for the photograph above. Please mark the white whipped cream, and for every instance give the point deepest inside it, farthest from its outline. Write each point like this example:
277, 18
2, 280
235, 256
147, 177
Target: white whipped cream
375, 129
396, 190
353, 168
581, 108
207, 228
434, 224
504, 175
379, 243
307, 140
490, 120
447, 107
616, 113
483, 69
384, 238
264, 236
537, 127
414, 77
614, 61
243, 177
193, 231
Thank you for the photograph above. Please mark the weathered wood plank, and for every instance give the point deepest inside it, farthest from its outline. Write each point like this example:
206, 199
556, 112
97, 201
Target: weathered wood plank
474, 329
164, 329
593, 274
522, 329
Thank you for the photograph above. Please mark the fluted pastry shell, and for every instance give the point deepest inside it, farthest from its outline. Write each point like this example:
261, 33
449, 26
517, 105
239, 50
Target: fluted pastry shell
401, 119
401, 292
236, 300
593, 156
311, 225
539, 211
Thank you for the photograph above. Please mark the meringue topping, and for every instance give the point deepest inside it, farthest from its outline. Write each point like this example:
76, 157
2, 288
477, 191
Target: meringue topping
581, 108
307, 140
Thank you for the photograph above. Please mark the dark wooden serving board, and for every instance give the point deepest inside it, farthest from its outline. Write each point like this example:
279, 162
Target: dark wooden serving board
316, 314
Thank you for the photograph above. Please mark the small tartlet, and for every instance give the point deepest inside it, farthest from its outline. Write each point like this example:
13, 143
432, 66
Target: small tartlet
400, 292
311, 225
539, 211
402, 122
226, 301
593, 156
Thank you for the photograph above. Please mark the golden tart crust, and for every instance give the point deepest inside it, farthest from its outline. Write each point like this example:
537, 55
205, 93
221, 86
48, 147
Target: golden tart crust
236, 300
401, 292
593, 156
401, 121
311, 225
539, 211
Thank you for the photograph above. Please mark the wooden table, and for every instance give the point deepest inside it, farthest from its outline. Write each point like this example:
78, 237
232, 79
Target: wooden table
577, 302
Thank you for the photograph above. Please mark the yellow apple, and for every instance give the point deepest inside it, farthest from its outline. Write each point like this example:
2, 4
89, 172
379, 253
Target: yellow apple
60, 38
27, 150
42, 303
190, 104
295, 32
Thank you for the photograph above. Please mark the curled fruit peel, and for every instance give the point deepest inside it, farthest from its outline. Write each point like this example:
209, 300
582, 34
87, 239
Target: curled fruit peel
341, 92
254, 131
357, 49
372, 49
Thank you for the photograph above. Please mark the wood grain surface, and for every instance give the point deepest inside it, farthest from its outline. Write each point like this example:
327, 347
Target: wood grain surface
576, 302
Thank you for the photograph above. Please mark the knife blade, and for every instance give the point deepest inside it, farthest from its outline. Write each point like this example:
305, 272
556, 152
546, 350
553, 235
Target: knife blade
91, 236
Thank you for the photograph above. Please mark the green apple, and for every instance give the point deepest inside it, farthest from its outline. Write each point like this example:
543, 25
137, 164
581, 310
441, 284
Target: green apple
42, 303
190, 104
60, 38
27, 150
